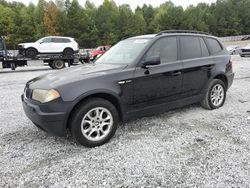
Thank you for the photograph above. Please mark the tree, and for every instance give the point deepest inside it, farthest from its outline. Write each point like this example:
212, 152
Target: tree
51, 19
106, 18
199, 23
75, 19
148, 13
108, 23
168, 16
39, 19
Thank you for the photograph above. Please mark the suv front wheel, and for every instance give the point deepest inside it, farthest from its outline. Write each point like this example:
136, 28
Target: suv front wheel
215, 95
94, 122
31, 53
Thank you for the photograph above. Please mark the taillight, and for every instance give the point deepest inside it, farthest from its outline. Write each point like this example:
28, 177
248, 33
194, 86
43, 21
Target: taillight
229, 66
230, 63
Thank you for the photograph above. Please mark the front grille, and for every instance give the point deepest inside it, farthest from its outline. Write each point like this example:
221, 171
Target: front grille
245, 50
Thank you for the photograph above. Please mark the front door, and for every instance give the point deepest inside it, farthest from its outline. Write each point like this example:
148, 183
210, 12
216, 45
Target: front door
46, 46
160, 83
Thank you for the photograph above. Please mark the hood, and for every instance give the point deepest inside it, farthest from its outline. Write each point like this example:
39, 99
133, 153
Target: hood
73, 74
25, 44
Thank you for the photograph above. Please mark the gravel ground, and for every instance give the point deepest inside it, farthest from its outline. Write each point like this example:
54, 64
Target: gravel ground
188, 147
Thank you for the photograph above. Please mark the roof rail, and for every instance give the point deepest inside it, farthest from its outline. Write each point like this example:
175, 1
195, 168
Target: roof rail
182, 31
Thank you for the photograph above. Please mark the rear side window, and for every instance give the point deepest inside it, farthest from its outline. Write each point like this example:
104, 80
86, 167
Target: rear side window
165, 48
60, 40
56, 40
204, 50
213, 45
190, 47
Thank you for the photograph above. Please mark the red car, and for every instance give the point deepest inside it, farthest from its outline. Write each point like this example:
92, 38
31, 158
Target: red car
99, 51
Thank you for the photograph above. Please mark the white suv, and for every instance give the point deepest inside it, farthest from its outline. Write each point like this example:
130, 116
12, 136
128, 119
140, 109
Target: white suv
49, 45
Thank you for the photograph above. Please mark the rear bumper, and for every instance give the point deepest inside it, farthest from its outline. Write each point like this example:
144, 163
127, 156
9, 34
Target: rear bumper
52, 123
230, 78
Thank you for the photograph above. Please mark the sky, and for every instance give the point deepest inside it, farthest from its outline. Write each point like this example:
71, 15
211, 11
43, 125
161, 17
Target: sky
134, 3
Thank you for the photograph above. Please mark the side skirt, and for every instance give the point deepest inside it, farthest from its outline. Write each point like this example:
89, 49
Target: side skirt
160, 108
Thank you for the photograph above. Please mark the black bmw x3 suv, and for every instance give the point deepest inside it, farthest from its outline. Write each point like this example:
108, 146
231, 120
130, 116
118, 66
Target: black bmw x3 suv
139, 76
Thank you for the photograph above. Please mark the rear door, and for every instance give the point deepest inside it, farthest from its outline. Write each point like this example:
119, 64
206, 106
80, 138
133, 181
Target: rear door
58, 45
197, 64
160, 83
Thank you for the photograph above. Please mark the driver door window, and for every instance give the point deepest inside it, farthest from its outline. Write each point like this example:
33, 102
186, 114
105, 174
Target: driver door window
165, 48
47, 40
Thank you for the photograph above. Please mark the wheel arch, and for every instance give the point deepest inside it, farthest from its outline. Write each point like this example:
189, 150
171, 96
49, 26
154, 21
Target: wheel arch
70, 48
107, 95
31, 47
223, 78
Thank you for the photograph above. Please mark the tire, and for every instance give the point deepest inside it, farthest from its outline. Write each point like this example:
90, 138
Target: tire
30, 53
91, 130
58, 64
216, 88
68, 52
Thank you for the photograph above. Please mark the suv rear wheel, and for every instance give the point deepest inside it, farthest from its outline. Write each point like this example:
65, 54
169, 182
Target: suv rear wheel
215, 96
68, 52
94, 122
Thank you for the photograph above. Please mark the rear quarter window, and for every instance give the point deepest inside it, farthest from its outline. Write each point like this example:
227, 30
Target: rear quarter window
213, 45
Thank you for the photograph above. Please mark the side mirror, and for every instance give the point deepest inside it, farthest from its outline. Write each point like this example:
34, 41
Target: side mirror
156, 60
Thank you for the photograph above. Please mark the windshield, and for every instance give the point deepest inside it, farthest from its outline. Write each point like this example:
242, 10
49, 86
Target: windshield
125, 52
40, 40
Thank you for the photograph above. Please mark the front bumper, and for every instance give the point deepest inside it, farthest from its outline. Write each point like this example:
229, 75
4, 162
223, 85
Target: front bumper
52, 123
21, 50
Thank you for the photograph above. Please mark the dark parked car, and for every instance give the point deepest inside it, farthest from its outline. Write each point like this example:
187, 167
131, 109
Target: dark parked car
139, 76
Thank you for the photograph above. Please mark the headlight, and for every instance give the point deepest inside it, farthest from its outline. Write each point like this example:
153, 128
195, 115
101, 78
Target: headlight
44, 96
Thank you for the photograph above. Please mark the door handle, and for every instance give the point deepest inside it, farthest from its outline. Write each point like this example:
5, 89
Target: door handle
175, 73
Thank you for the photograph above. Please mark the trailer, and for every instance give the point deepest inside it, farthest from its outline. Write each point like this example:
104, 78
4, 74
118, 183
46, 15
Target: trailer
55, 61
